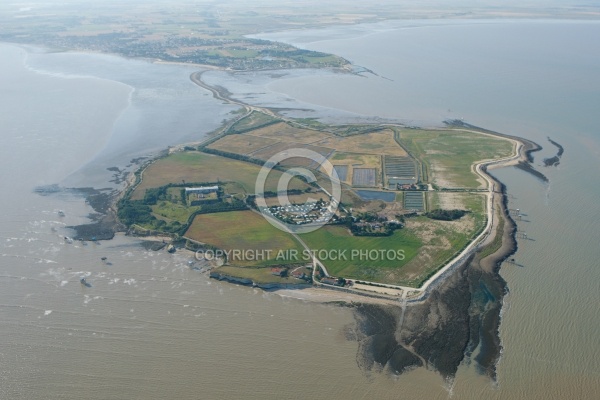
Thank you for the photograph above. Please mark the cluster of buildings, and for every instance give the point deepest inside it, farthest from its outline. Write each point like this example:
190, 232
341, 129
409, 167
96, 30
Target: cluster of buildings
313, 212
407, 186
201, 190
298, 273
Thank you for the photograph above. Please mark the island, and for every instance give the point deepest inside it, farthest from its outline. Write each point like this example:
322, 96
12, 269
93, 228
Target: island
413, 202
417, 233
415, 238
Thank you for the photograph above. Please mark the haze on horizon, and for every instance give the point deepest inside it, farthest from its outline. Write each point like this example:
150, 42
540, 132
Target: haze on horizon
458, 8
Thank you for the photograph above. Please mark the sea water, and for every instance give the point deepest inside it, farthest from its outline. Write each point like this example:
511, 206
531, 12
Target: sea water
151, 327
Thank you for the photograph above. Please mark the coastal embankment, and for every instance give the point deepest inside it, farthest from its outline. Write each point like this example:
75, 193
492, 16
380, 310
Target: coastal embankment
525, 159
457, 320
554, 161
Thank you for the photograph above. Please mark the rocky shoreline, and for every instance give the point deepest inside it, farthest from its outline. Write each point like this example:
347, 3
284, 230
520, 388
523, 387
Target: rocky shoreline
554, 161
458, 322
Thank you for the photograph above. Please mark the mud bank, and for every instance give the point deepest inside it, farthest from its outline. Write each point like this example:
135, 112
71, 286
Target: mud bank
104, 220
458, 322
104, 223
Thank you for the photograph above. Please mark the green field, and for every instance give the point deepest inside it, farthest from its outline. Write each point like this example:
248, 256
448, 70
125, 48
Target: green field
319, 60
379, 269
448, 155
234, 53
200, 167
243, 230
254, 120
474, 202
442, 240
172, 212
441, 247
258, 275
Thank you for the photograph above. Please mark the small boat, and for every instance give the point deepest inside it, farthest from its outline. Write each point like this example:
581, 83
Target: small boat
61, 213
84, 282
68, 240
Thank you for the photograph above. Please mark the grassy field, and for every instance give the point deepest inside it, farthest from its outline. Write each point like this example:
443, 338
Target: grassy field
442, 240
258, 275
297, 199
428, 244
371, 143
201, 167
234, 53
287, 149
448, 155
379, 269
351, 199
360, 160
241, 144
474, 202
288, 133
243, 230
172, 212
254, 120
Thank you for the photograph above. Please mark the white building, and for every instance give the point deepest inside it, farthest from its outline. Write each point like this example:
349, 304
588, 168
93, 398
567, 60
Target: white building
202, 189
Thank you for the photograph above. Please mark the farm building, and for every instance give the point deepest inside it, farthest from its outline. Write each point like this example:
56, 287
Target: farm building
202, 189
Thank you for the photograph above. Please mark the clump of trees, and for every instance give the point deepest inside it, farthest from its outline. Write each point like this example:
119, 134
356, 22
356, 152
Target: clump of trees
152, 196
371, 224
446, 215
290, 192
135, 211
386, 229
